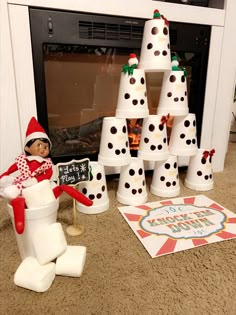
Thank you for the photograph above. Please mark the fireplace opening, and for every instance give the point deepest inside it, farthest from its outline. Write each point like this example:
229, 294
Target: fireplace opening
78, 60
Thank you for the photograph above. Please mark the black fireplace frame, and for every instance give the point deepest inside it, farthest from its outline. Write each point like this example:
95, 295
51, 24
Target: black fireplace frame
69, 28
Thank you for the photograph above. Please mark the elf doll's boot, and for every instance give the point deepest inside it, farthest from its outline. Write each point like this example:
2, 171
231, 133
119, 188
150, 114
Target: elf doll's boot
18, 205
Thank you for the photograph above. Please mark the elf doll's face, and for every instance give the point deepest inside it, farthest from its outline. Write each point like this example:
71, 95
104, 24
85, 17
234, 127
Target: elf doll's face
38, 148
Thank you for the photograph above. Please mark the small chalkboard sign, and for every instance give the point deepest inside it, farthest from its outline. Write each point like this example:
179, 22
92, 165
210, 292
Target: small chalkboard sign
73, 172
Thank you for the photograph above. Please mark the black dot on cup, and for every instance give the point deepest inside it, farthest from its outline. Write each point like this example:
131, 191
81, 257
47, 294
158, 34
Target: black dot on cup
165, 31
113, 130
167, 166
131, 172
154, 30
186, 123
132, 80
99, 176
91, 197
151, 127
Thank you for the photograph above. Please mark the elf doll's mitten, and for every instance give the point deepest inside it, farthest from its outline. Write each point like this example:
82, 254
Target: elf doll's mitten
9, 192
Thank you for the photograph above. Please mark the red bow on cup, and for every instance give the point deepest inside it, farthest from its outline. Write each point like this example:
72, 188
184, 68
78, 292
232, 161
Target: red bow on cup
164, 119
165, 19
208, 153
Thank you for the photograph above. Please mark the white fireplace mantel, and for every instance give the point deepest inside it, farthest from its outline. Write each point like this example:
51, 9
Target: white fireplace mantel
17, 95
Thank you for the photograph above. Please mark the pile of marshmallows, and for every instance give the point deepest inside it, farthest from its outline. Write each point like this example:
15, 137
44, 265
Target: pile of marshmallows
52, 257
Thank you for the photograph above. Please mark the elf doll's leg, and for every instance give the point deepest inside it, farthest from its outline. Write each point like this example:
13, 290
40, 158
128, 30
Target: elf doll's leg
18, 205
74, 193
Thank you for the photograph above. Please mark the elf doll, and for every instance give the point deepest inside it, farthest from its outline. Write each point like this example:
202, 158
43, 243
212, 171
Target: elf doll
33, 166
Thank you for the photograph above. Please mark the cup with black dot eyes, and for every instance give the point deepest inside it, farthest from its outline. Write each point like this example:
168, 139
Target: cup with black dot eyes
199, 174
165, 179
114, 145
132, 97
173, 98
132, 184
183, 137
153, 143
155, 50
95, 189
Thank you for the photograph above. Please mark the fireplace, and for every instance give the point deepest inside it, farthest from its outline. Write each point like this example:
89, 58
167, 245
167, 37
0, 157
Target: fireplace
77, 60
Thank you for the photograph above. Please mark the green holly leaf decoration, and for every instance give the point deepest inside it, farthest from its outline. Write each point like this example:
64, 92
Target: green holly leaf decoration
129, 69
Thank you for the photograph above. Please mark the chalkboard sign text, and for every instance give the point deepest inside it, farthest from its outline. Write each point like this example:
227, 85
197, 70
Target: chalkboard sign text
73, 172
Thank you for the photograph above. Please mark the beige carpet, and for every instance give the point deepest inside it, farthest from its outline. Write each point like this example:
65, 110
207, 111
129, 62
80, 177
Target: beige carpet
119, 275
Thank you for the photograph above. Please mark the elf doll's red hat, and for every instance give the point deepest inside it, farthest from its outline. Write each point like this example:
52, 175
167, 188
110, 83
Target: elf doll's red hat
35, 131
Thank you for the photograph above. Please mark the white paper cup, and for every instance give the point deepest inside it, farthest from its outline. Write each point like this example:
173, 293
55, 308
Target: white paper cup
132, 97
155, 51
96, 190
35, 218
183, 139
114, 146
165, 180
199, 174
153, 143
132, 185
173, 97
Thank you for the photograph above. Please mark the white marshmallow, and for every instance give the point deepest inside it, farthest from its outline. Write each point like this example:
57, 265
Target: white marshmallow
31, 275
38, 195
71, 262
49, 242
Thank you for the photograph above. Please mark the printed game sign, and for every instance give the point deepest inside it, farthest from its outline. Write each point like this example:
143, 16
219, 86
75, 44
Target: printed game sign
73, 172
170, 226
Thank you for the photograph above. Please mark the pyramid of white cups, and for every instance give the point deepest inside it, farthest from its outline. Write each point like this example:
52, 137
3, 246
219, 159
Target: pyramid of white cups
154, 145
